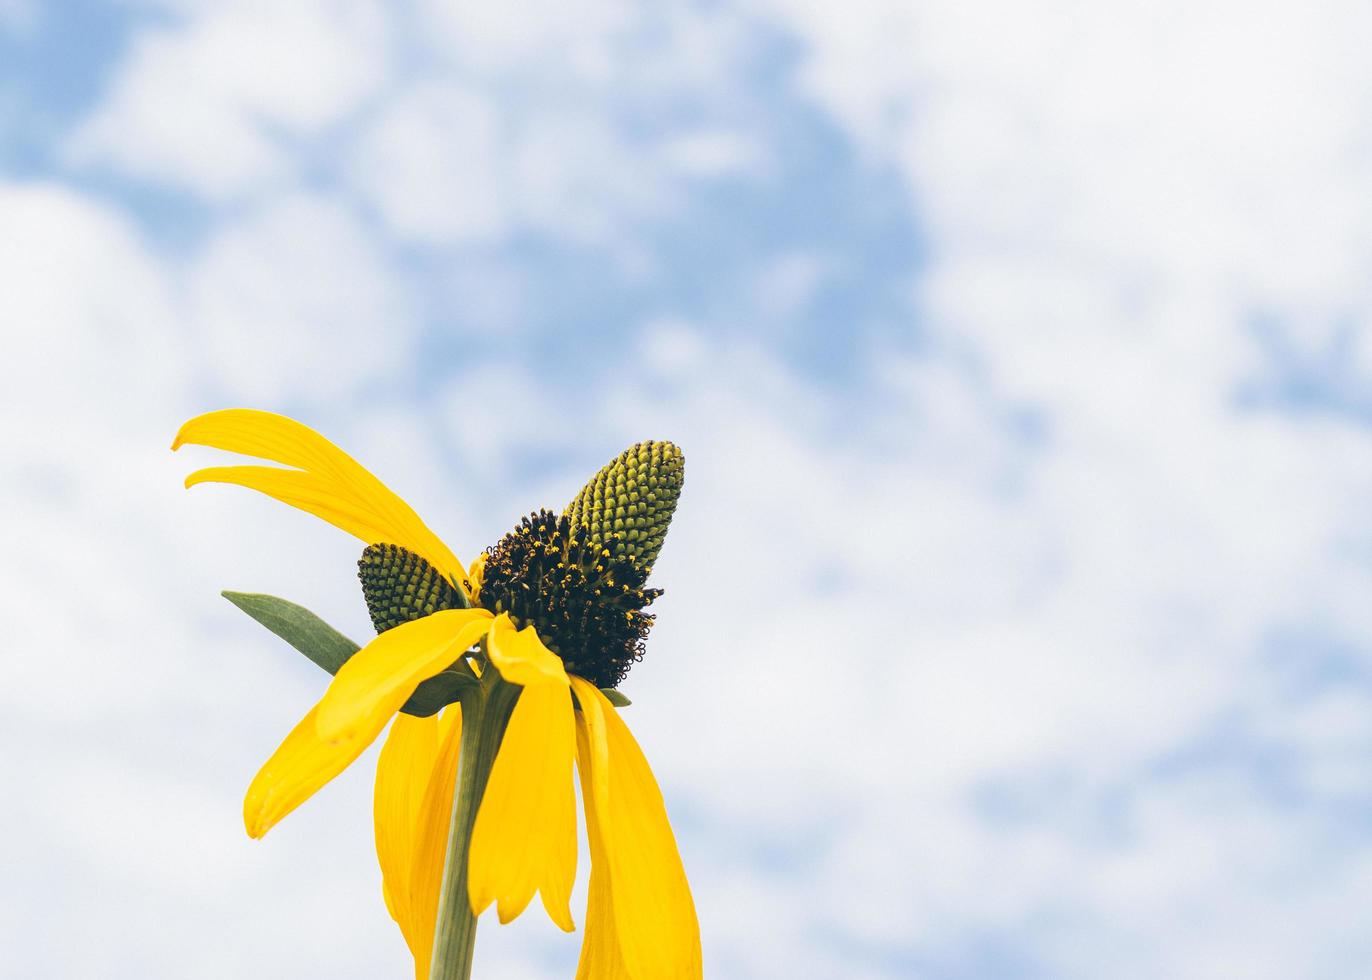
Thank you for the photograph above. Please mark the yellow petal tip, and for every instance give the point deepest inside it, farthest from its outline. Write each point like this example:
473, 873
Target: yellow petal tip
563, 920
507, 912
179, 439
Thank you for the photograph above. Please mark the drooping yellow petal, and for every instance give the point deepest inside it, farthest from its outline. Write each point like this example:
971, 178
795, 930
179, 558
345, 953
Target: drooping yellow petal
402, 776
306, 491
383, 674
653, 916
334, 486
430, 843
521, 656
299, 767
525, 834
600, 956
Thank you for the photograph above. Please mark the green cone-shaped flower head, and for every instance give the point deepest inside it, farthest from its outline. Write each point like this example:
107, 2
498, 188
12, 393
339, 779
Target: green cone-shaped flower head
400, 586
627, 506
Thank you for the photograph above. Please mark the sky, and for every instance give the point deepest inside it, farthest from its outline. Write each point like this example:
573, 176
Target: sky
1017, 616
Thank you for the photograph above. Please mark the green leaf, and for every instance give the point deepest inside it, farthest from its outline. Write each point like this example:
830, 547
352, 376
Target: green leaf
616, 698
330, 649
298, 626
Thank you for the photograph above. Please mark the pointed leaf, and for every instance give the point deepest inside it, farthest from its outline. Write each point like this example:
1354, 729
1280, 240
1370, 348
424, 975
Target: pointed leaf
330, 649
615, 697
298, 626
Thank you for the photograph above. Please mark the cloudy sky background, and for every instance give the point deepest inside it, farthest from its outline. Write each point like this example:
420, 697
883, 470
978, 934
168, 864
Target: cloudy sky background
1017, 618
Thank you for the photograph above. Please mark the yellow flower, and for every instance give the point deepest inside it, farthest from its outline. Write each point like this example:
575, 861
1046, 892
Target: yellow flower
640, 919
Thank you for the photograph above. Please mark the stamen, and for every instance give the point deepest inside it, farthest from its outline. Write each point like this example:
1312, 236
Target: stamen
588, 609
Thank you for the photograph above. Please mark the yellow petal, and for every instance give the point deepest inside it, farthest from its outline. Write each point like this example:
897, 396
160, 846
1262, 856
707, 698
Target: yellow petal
521, 656
333, 486
307, 491
431, 840
402, 776
600, 956
476, 574
525, 834
653, 916
382, 675
298, 768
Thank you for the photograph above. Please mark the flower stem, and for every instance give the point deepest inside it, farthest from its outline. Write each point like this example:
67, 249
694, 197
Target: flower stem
486, 708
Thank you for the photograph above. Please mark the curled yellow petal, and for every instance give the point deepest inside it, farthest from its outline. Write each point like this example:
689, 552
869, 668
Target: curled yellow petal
430, 843
332, 486
651, 917
402, 776
383, 674
476, 574
521, 656
525, 834
298, 768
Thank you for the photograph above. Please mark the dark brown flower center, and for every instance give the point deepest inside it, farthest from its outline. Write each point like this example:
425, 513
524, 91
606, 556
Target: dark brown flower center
586, 604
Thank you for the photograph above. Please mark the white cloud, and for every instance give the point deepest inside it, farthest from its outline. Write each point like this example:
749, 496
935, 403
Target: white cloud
578, 175
495, 410
1108, 196
212, 102
789, 283
432, 165
295, 301
672, 346
445, 165
91, 317
534, 120
713, 153
1198, 151
539, 34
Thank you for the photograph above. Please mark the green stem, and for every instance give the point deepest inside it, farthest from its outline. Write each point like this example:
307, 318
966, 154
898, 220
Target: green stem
485, 710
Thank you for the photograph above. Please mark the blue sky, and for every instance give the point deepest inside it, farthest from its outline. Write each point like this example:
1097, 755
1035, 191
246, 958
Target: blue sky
1016, 620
